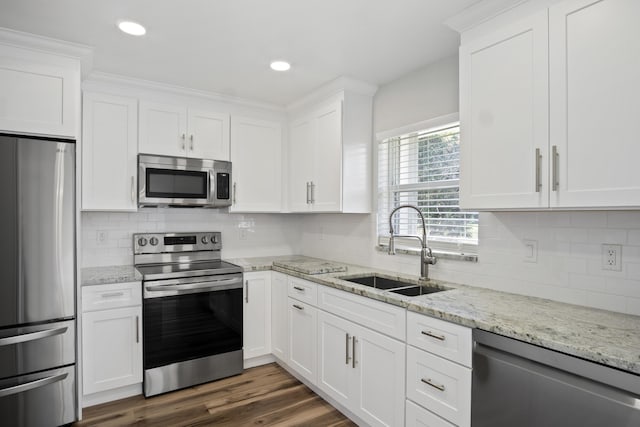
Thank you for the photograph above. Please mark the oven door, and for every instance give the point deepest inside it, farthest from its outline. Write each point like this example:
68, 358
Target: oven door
167, 181
191, 318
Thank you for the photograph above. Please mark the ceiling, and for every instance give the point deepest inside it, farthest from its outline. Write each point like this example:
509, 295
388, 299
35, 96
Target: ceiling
225, 46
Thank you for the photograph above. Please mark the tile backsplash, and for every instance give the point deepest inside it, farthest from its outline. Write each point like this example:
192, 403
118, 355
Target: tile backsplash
568, 267
107, 236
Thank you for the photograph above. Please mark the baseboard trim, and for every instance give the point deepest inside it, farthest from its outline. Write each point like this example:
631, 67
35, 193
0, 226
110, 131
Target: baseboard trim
111, 395
259, 361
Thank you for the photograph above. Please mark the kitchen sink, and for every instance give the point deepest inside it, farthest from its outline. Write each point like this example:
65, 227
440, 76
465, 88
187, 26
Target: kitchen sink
414, 291
379, 282
395, 286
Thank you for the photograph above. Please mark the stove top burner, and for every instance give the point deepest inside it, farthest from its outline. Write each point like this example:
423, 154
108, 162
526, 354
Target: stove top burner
186, 269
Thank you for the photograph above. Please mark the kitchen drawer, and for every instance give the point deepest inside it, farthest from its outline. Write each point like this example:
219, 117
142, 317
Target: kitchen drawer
441, 386
303, 290
379, 316
442, 338
113, 295
417, 416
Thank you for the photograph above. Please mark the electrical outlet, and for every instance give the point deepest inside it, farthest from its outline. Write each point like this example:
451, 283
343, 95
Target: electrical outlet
321, 233
242, 234
612, 257
101, 237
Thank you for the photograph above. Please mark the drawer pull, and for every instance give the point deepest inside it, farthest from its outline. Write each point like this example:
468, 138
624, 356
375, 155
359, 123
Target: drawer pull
298, 288
112, 294
299, 307
432, 335
21, 388
428, 381
32, 336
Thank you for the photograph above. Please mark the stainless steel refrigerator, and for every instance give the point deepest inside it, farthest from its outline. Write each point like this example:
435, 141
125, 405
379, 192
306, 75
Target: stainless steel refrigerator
37, 282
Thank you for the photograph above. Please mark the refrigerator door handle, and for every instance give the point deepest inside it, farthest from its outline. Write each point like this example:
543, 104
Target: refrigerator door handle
31, 385
16, 339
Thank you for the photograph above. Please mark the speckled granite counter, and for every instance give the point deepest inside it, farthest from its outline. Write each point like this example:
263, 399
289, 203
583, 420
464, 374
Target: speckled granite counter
111, 274
601, 336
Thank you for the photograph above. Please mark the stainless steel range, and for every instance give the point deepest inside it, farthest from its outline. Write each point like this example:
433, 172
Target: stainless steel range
192, 310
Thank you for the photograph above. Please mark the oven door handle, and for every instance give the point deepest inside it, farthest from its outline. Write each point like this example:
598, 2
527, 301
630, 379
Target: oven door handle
212, 285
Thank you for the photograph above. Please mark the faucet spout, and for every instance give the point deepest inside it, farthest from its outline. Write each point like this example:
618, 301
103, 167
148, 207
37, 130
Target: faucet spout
426, 255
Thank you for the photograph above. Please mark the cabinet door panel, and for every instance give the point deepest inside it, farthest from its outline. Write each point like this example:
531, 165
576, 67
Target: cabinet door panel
504, 116
256, 153
109, 149
36, 97
327, 176
381, 362
301, 152
302, 339
163, 129
257, 314
208, 136
336, 372
112, 349
279, 329
595, 100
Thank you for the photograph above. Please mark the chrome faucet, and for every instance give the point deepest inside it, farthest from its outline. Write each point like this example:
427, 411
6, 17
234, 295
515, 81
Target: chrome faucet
426, 256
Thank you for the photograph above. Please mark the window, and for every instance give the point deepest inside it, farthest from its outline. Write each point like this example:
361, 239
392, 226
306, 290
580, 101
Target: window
423, 169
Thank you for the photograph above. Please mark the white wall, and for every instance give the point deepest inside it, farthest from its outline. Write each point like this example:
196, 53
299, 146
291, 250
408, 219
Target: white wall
569, 243
266, 234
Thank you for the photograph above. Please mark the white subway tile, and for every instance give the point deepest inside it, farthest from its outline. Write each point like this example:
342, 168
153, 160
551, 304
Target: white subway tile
608, 236
588, 219
623, 219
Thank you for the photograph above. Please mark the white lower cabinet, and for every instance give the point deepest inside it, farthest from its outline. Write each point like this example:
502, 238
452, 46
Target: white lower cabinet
111, 337
303, 320
257, 314
420, 417
361, 369
279, 330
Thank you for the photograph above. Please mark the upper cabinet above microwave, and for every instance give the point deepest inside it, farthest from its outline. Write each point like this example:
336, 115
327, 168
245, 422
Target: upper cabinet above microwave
174, 130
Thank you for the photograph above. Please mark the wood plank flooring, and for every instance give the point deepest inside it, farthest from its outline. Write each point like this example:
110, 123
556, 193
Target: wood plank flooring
265, 396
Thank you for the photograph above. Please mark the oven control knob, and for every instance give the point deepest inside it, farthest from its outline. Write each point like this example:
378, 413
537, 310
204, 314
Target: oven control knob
204, 240
142, 241
214, 239
153, 241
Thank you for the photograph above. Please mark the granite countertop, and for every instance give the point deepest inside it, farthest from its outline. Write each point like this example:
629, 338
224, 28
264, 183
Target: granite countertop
601, 336
112, 274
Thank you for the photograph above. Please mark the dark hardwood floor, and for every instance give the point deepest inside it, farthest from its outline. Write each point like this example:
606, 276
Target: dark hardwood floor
264, 396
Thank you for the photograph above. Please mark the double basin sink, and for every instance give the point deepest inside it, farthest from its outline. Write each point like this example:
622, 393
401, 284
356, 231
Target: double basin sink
395, 286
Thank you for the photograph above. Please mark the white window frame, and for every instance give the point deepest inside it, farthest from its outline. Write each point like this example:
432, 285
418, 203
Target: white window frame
465, 251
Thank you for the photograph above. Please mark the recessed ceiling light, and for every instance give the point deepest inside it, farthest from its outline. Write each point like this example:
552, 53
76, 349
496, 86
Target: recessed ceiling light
132, 28
280, 66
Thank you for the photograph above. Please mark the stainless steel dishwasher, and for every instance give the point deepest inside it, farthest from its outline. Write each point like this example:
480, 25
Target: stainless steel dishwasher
520, 384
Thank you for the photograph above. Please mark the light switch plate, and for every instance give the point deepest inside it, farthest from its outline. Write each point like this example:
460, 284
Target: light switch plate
530, 250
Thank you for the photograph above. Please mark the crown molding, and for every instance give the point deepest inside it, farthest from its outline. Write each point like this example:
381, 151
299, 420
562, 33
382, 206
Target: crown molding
43, 44
331, 88
120, 80
479, 13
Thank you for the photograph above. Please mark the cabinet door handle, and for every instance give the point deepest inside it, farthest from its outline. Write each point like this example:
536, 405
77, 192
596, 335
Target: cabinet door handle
308, 197
298, 288
347, 359
112, 294
432, 335
183, 137
137, 329
353, 352
555, 164
246, 291
538, 166
430, 382
234, 193
313, 191
299, 307
191, 141
133, 189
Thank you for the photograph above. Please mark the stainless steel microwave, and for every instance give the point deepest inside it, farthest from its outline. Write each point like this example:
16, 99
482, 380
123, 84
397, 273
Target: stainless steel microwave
167, 181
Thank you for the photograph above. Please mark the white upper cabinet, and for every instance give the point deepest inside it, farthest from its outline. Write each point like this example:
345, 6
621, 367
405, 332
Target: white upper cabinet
504, 114
576, 149
595, 102
330, 156
109, 149
174, 130
39, 93
256, 154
